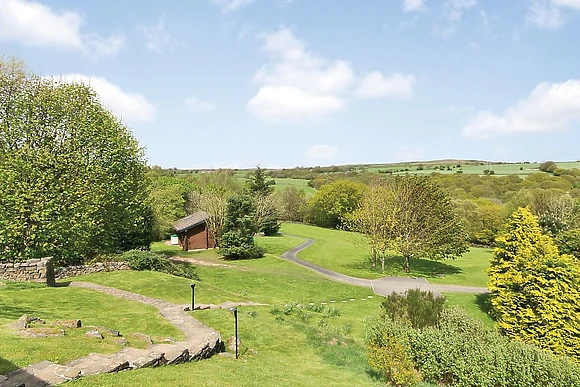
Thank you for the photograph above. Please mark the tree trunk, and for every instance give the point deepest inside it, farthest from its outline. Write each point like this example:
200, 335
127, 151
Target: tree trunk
382, 263
407, 268
374, 257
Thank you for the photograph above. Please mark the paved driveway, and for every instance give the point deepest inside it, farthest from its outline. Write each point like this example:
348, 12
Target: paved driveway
382, 286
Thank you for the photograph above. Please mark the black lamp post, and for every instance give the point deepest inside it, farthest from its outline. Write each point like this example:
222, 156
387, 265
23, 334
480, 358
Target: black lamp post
235, 312
192, 297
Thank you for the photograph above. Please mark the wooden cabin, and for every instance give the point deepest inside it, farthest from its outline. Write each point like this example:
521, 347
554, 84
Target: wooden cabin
192, 232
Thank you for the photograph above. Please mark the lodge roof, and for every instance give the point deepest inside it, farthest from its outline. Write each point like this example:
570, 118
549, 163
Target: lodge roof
190, 221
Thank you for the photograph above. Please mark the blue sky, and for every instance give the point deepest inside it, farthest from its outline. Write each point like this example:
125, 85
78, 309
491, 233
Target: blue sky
282, 83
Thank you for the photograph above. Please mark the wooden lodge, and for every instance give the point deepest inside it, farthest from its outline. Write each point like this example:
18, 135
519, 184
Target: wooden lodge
192, 232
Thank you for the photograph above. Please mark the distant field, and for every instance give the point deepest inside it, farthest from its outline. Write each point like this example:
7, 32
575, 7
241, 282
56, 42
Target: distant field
284, 183
521, 169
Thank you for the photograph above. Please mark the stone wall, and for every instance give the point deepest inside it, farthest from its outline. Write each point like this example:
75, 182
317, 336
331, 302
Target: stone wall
42, 270
33, 270
75, 271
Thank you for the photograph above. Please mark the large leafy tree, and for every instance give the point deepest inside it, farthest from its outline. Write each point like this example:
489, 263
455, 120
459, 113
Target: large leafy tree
333, 202
72, 176
534, 289
371, 220
420, 220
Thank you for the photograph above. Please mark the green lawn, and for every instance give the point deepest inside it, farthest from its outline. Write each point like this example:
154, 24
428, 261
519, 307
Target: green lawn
283, 183
477, 305
346, 253
321, 347
67, 303
310, 333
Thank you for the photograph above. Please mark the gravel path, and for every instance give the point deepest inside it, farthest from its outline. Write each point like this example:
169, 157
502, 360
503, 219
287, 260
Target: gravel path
382, 286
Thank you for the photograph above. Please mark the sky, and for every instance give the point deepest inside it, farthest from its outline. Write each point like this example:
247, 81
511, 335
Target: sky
285, 83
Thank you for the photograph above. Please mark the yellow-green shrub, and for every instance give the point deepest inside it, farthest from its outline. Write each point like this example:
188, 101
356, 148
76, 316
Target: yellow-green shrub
535, 290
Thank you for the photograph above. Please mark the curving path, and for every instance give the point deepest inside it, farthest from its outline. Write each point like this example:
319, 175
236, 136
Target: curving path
201, 342
382, 286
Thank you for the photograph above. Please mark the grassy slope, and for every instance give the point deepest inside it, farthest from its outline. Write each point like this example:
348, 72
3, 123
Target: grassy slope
283, 183
288, 352
345, 253
66, 303
319, 350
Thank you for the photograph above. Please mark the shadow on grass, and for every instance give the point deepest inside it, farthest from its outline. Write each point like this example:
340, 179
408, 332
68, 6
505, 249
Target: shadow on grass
6, 367
419, 267
12, 312
483, 301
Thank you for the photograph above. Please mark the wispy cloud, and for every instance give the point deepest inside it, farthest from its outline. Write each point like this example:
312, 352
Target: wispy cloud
227, 6
200, 105
156, 36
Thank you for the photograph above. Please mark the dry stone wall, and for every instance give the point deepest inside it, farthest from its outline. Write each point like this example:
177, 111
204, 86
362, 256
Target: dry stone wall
33, 270
75, 271
43, 270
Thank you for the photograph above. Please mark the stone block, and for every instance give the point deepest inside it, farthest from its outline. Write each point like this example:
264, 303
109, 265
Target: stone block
68, 323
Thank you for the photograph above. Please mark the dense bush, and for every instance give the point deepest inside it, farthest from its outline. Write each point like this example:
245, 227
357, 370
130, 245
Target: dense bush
240, 225
270, 225
418, 307
534, 289
460, 351
148, 260
569, 242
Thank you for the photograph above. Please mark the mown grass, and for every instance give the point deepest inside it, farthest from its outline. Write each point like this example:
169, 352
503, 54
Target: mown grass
280, 353
301, 184
285, 343
67, 303
327, 347
477, 305
348, 254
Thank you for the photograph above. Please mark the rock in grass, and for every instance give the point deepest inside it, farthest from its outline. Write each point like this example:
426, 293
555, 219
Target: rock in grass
143, 337
95, 333
22, 323
68, 323
33, 333
121, 341
232, 343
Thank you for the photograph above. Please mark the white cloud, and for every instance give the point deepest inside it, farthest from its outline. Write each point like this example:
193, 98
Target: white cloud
550, 14
284, 103
227, 6
452, 14
298, 85
157, 37
413, 5
375, 84
453, 9
200, 105
34, 24
131, 107
322, 152
574, 4
545, 14
551, 107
